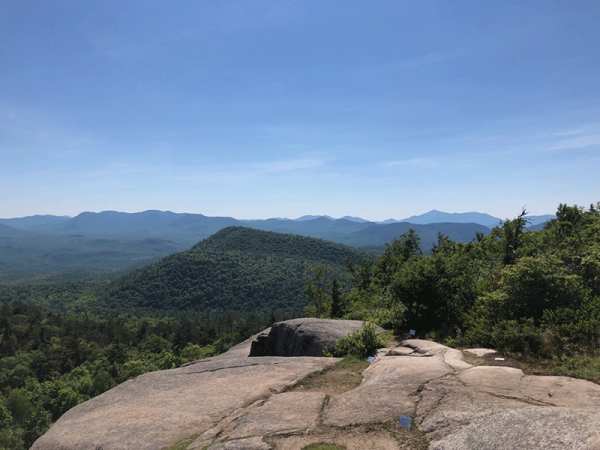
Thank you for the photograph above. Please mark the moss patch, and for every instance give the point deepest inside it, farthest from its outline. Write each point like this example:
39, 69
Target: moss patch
334, 380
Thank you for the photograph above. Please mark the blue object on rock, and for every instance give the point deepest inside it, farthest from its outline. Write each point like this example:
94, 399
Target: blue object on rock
412, 332
370, 359
405, 421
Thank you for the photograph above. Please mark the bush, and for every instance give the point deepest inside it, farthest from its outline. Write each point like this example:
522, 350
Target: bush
519, 337
361, 343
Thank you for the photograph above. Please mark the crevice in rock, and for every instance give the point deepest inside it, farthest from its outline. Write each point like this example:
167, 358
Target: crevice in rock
230, 367
221, 429
321, 416
419, 397
447, 364
523, 399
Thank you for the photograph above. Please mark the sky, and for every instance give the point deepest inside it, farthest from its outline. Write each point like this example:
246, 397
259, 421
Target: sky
258, 109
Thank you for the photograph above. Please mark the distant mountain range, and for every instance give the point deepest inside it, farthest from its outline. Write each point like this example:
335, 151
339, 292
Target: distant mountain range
99, 221
115, 241
187, 229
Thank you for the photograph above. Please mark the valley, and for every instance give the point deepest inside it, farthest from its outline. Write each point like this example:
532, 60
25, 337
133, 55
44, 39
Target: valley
102, 246
85, 312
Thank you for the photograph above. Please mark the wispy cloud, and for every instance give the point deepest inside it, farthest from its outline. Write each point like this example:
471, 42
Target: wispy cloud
577, 142
409, 162
241, 15
570, 132
205, 172
116, 50
289, 165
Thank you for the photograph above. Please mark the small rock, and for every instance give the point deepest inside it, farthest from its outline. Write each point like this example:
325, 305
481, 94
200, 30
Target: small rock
481, 352
400, 351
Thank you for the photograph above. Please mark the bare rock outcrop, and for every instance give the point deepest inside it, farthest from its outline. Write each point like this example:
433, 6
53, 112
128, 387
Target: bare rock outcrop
233, 402
276, 416
545, 428
303, 337
159, 409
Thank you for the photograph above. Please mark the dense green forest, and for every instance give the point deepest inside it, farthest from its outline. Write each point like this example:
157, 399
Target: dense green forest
535, 292
39, 259
52, 362
516, 289
237, 270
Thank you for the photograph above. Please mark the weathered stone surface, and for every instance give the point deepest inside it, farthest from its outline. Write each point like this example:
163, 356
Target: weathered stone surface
222, 428
159, 409
475, 395
368, 437
450, 395
446, 405
303, 337
531, 428
497, 379
594, 444
400, 351
390, 386
255, 443
548, 390
276, 416
233, 402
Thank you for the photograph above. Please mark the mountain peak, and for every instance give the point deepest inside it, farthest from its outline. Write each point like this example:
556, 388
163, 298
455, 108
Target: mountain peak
311, 217
435, 216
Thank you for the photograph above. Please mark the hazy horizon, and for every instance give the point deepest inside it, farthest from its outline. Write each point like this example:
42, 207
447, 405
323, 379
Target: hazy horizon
281, 217
284, 109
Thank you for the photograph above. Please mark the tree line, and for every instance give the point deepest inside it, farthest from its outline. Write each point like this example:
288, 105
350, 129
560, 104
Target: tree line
535, 292
51, 362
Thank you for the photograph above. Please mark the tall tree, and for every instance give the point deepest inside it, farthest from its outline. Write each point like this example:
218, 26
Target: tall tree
316, 288
336, 300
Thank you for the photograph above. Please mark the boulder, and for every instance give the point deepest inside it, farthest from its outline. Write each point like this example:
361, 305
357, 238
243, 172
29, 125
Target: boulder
303, 337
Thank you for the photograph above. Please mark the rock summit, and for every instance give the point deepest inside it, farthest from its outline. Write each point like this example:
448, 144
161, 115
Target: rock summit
237, 402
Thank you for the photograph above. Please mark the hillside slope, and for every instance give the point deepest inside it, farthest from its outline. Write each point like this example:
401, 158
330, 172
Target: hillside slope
238, 269
379, 235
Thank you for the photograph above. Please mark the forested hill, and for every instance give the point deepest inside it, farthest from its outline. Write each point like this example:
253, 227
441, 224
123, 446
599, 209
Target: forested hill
237, 270
258, 242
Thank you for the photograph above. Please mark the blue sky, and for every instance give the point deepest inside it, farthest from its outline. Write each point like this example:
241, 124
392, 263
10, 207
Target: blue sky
257, 109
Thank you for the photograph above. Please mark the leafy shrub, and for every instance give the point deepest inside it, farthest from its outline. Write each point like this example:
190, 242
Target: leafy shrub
361, 343
515, 336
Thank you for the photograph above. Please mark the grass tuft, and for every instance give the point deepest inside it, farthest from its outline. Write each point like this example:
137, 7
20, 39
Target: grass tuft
323, 446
